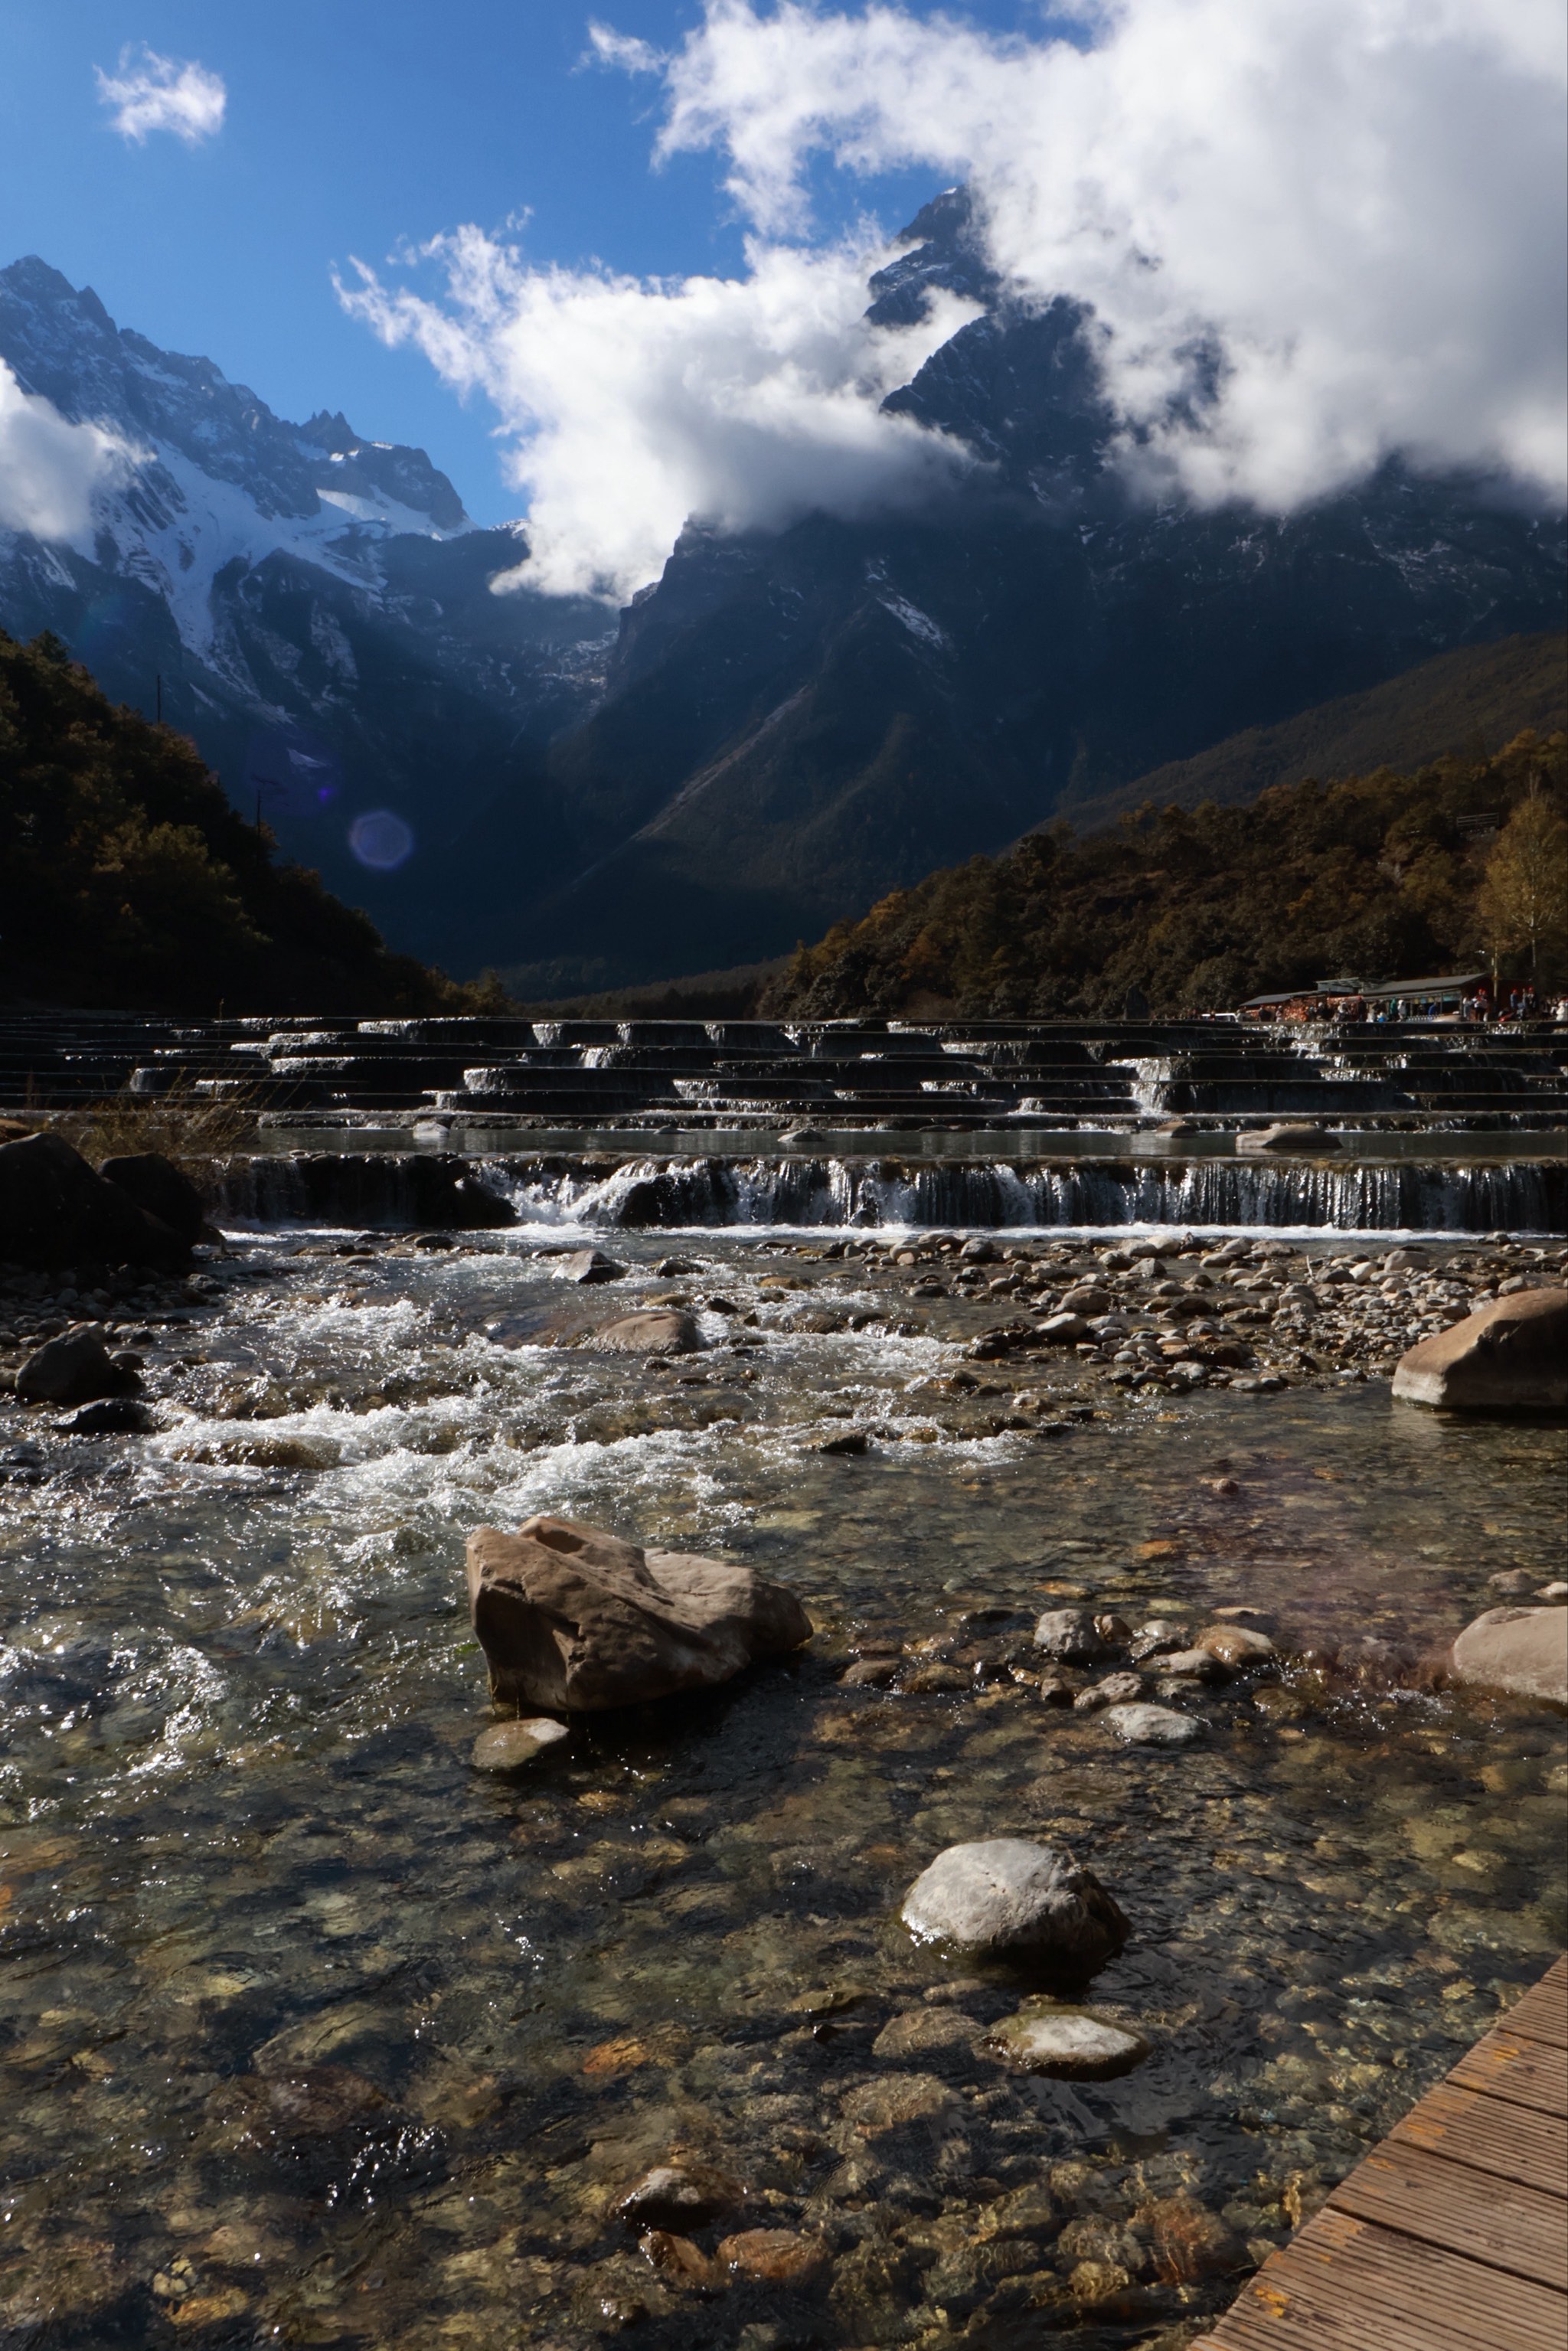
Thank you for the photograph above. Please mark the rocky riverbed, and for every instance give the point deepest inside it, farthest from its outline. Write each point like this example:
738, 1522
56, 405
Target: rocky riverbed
318, 2034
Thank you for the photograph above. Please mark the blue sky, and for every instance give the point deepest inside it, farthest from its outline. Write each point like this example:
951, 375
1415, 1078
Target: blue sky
349, 127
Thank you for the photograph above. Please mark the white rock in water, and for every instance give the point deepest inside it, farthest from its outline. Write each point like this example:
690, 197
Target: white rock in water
1071, 2042
507, 1745
1152, 1726
1522, 1652
1007, 1895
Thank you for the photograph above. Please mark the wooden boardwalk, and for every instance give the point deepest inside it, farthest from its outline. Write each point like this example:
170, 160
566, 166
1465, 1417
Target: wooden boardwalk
1453, 2234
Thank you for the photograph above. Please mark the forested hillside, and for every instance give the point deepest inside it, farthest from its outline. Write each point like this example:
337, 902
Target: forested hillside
126, 879
1472, 700
1197, 909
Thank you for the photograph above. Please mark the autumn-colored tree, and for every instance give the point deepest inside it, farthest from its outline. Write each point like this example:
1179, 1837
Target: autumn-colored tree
1522, 904
1199, 908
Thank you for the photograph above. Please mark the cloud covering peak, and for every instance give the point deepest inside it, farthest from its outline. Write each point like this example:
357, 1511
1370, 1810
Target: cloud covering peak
1311, 236
50, 467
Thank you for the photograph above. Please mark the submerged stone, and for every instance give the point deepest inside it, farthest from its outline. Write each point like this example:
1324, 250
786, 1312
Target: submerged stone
1152, 1726
1287, 1137
775, 2256
680, 2196
507, 1745
1073, 2044
896, 2102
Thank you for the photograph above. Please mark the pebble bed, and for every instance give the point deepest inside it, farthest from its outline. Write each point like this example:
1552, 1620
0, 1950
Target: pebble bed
318, 2035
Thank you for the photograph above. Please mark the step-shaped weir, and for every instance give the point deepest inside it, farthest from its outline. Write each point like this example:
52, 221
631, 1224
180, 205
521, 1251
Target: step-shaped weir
392, 1188
957, 1075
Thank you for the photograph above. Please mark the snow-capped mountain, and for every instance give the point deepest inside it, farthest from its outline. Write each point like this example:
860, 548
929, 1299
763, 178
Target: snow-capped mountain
783, 728
313, 606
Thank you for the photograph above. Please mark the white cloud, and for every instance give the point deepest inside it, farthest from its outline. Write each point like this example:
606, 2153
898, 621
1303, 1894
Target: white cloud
1358, 203
48, 466
1352, 208
154, 93
635, 403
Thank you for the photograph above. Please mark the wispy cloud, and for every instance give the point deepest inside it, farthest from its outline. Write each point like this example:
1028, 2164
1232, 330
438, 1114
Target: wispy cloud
49, 467
151, 93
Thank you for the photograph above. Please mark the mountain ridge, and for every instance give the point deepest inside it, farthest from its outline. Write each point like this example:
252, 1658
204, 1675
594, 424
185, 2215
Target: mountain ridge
780, 727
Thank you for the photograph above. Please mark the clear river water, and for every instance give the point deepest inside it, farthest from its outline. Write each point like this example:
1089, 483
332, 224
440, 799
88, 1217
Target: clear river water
313, 2034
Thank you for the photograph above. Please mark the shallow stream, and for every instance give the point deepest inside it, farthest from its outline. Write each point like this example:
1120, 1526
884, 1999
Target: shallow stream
315, 2035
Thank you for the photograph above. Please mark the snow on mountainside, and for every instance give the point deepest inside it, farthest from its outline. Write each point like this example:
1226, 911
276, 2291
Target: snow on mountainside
784, 724
309, 604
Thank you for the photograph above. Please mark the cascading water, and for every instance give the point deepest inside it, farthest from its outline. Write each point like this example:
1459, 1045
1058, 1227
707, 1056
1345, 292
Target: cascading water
410, 1188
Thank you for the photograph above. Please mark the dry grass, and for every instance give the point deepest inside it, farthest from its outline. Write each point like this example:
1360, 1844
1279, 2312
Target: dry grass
195, 1131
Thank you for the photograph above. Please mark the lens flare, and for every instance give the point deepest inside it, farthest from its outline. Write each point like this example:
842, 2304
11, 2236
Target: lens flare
381, 840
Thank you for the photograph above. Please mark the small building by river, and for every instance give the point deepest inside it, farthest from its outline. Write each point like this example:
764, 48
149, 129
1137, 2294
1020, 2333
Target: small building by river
1441, 997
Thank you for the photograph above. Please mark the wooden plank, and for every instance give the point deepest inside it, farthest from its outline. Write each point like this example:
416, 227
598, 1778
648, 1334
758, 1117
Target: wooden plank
1517, 2228
1452, 2236
1344, 2285
1488, 2134
1543, 2012
1526, 2072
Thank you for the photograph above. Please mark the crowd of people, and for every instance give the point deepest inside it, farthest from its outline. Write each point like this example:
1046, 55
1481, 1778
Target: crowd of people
1477, 1008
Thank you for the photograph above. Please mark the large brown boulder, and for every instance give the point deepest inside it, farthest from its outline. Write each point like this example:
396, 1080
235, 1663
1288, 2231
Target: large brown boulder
571, 1618
156, 1185
1522, 1652
1510, 1356
54, 1210
75, 1368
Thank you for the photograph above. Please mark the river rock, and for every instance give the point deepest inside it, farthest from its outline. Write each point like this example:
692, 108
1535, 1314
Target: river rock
1522, 1652
661, 1331
1161, 1634
571, 1616
1116, 1689
1063, 1330
1234, 1644
1152, 1726
156, 1185
896, 2102
1072, 2043
75, 1368
923, 2033
1088, 1298
1192, 1664
507, 1745
55, 1210
1510, 1356
774, 2256
590, 1265
1007, 1896
680, 2196
1069, 1635
118, 1416
1288, 1137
